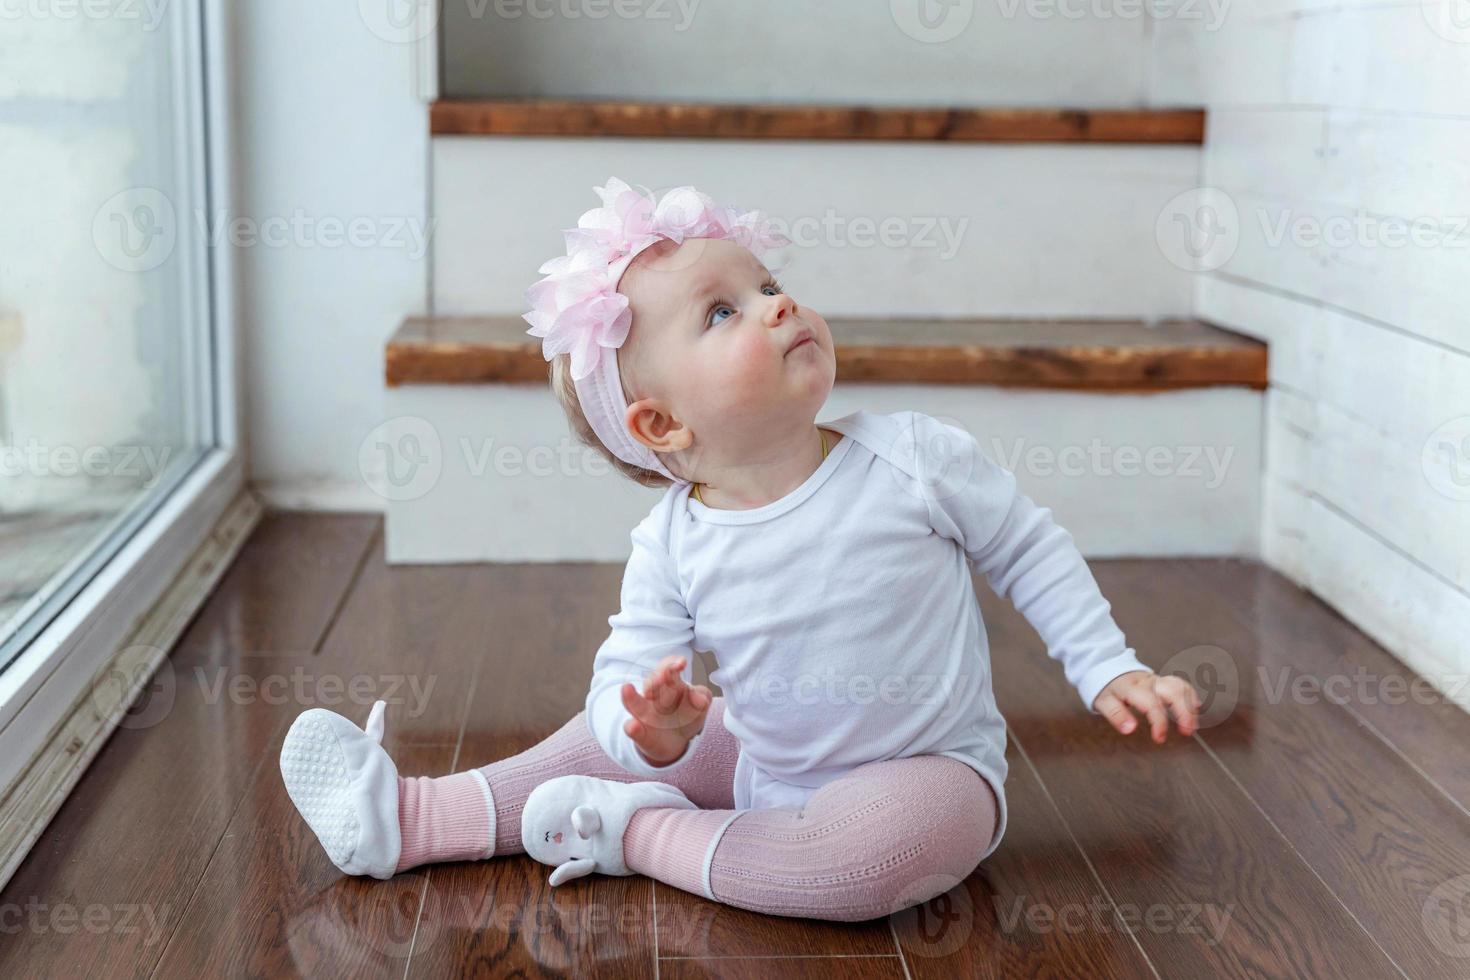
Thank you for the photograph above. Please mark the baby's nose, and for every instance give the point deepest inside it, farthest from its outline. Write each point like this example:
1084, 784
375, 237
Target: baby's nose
779, 310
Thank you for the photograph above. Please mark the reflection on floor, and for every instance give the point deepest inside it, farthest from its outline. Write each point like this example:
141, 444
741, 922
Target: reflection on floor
1317, 827
35, 546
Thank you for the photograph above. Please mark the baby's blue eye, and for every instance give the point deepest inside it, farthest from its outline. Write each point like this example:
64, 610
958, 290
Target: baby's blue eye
722, 311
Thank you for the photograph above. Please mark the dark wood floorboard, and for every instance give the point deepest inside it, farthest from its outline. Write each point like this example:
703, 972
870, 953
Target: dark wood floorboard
692, 927
133, 838
501, 918
1314, 641
778, 967
1379, 835
1173, 838
1291, 838
1001, 923
270, 903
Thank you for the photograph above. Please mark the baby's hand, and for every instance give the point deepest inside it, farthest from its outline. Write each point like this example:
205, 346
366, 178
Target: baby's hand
667, 715
1157, 697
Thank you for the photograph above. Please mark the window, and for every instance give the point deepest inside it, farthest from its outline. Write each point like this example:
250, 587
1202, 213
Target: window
117, 401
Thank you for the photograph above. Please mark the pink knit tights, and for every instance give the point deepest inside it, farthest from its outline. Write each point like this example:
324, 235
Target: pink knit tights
881, 838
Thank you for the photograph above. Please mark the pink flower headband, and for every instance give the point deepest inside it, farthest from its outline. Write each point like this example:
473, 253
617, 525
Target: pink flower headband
577, 308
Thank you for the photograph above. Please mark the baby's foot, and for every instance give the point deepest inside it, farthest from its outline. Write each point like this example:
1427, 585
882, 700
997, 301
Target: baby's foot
346, 788
577, 822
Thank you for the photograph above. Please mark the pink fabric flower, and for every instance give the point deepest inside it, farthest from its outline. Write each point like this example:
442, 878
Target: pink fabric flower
577, 309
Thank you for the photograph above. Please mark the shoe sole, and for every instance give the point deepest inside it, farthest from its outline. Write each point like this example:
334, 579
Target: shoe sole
314, 769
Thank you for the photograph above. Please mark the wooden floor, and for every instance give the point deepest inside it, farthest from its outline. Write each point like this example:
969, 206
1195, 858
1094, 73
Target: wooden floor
1298, 835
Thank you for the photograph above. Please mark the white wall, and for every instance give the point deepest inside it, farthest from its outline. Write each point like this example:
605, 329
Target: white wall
918, 52
967, 230
331, 128
1340, 136
333, 184
497, 475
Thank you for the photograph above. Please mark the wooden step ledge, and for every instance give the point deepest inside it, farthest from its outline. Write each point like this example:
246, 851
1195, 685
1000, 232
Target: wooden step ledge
560, 117
1078, 355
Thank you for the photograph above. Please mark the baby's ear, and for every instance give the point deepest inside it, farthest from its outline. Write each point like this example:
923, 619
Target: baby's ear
650, 421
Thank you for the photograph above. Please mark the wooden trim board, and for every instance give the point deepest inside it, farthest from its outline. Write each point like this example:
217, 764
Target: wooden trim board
663, 120
1085, 355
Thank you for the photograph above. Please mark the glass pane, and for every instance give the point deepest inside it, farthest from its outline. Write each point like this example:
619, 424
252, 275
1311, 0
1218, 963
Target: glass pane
103, 313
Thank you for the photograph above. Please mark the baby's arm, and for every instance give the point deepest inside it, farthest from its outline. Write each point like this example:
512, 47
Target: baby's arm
1031, 560
641, 708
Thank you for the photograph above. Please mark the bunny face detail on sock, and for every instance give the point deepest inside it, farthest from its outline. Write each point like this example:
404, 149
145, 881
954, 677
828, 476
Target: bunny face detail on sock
576, 823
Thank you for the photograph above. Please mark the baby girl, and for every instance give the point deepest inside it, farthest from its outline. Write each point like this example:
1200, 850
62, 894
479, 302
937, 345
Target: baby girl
856, 762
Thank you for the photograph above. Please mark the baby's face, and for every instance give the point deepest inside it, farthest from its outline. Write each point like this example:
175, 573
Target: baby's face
727, 354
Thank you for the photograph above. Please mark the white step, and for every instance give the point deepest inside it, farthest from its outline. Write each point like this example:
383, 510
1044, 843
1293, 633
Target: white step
486, 470
975, 229
905, 51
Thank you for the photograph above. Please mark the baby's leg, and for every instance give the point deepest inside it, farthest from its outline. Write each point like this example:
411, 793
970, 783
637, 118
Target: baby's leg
449, 818
886, 836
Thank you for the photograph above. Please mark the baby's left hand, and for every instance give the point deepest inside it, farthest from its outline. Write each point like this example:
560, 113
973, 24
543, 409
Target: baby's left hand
1156, 697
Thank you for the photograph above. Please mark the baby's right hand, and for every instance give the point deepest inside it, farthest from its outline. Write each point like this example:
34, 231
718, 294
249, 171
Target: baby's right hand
667, 715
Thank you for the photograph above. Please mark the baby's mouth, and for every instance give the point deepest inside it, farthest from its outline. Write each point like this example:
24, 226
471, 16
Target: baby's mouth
805, 337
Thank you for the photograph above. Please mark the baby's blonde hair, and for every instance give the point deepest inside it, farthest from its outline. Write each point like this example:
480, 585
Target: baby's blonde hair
566, 392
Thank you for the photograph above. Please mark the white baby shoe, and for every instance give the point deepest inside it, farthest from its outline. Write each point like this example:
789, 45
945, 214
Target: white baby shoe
577, 822
346, 789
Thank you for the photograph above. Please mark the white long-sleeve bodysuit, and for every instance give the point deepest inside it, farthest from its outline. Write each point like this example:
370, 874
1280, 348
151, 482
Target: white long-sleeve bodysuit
842, 617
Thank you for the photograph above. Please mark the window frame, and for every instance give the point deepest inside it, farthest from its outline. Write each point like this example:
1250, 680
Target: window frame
44, 683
